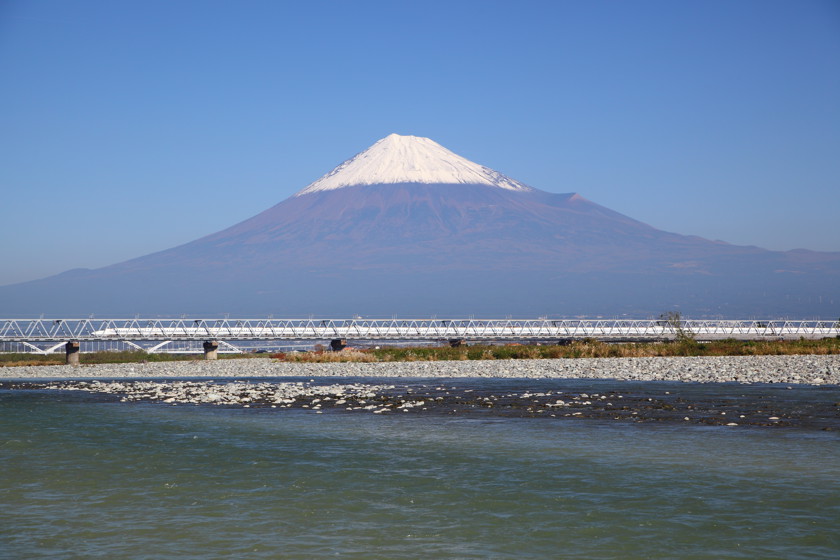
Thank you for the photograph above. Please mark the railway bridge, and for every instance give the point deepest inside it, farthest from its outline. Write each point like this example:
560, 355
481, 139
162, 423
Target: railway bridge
44, 336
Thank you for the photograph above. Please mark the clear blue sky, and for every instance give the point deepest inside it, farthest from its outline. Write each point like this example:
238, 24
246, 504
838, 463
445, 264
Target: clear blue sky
128, 127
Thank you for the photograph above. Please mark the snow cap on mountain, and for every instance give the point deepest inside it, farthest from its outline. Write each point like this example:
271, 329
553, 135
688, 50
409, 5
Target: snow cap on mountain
410, 159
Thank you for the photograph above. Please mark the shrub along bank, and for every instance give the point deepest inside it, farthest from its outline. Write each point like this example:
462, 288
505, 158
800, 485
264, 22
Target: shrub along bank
577, 349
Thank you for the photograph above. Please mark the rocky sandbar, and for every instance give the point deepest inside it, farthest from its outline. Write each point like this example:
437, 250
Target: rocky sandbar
807, 369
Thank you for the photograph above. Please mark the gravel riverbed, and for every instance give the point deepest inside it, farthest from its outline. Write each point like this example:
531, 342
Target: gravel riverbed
808, 369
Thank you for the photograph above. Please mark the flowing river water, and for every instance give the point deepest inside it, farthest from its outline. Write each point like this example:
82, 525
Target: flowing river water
97, 475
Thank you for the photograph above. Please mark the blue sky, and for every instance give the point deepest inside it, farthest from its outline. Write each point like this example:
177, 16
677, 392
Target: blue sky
133, 126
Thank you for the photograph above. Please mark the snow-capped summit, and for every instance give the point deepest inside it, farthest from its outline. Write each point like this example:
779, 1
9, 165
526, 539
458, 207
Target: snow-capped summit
410, 159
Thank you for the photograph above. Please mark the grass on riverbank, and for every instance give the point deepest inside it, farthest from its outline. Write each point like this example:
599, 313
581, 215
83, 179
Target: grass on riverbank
577, 349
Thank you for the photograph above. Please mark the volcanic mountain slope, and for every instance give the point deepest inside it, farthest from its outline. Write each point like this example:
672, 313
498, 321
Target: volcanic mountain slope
409, 227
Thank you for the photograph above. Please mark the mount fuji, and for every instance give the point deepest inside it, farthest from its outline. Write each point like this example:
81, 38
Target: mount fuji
407, 227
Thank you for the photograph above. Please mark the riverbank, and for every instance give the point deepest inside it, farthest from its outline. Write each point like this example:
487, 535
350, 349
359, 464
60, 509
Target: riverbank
436, 353
804, 369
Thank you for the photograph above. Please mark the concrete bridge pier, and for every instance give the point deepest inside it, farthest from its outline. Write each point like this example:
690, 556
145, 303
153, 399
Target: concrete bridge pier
211, 350
71, 353
338, 344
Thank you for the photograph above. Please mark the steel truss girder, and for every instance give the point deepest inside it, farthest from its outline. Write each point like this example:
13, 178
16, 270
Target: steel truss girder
164, 331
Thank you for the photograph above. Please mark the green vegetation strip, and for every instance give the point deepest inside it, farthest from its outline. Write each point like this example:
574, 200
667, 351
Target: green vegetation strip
123, 357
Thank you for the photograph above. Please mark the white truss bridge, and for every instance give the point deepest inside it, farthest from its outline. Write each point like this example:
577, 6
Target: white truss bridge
160, 335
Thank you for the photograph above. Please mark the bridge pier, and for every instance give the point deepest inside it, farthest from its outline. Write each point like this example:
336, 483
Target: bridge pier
211, 350
457, 342
71, 353
338, 344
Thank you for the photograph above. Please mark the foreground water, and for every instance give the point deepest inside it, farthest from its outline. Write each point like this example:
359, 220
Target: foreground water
83, 476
